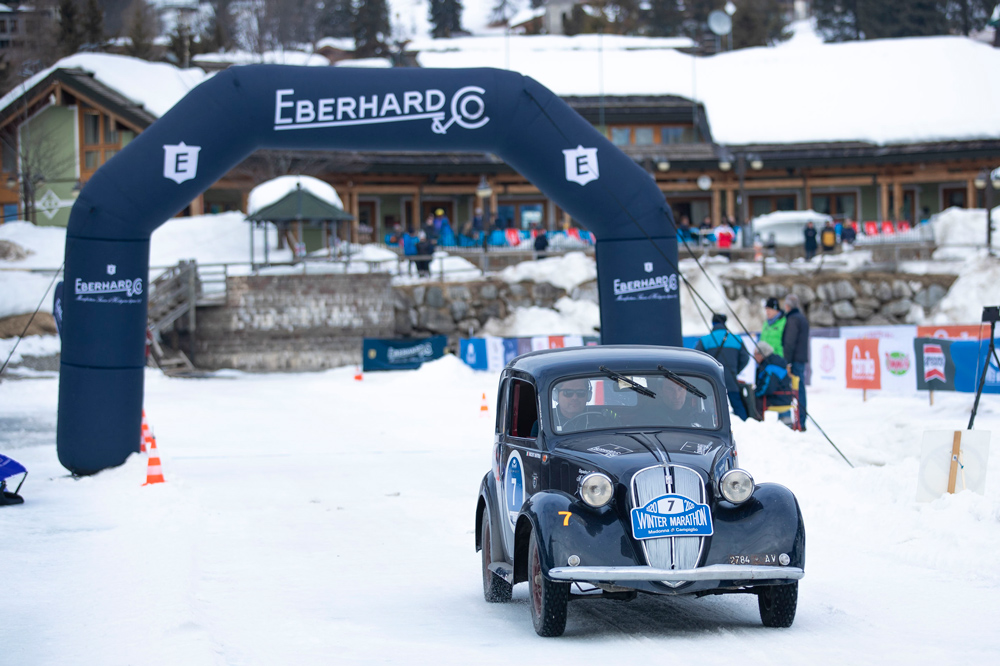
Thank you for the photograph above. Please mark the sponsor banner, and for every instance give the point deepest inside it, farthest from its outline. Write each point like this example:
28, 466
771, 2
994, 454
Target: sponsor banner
473, 353
897, 365
671, 515
935, 371
383, 354
878, 332
969, 358
969, 332
494, 353
862, 368
828, 360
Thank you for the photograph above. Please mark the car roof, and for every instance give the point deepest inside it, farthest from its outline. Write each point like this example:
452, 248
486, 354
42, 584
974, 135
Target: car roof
549, 364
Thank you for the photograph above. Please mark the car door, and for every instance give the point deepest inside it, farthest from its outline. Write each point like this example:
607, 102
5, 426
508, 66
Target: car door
516, 453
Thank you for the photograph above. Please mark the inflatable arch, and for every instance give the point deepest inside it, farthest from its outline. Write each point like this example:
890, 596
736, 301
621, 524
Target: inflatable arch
243, 109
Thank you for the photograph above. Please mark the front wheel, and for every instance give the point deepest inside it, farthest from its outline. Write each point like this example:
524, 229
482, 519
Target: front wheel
547, 598
777, 604
495, 588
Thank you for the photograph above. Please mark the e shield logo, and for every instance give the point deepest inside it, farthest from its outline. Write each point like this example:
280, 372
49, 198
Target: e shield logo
581, 165
180, 162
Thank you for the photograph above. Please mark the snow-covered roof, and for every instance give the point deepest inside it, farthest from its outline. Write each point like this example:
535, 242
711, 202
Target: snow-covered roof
275, 190
376, 63
803, 91
339, 43
282, 57
526, 14
156, 86
547, 43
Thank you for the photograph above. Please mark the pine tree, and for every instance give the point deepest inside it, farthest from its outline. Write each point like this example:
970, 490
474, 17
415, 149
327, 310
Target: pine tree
370, 26
964, 16
759, 23
446, 17
93, 25
839, 20
335, 19
502, 11
664, 18
218, 33
70, 36
141, 29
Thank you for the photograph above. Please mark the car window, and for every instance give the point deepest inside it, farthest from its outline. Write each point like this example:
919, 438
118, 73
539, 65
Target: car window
597, 402
523, 408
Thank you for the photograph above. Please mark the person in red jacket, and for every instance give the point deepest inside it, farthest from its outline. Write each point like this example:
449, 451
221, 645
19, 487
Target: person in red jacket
724, 236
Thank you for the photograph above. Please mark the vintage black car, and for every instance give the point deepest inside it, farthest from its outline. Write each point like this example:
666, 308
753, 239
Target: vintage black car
615, 472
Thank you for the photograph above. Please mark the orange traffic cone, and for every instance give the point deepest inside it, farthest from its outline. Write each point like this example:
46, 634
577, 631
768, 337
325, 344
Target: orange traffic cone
357, 373
154, 472
484, 408
145, 433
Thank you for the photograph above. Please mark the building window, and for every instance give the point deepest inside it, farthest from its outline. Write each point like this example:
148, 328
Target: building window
102, 138
651, 135
644, 136
621, 136
762, 205
3, 25
841, 206
678, 135
9, 158
953, 196
13, 26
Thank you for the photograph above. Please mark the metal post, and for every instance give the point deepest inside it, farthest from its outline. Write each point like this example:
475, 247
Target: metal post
741, 172
988, 195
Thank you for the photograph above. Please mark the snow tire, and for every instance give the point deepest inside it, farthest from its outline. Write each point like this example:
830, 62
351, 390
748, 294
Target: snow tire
777, 604
546, 599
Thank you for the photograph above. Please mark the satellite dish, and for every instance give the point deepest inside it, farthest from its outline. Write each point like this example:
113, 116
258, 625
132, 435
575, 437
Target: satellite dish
720, 23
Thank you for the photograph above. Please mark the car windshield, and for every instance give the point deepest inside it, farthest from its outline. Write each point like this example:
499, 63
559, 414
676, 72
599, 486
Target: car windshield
612, 400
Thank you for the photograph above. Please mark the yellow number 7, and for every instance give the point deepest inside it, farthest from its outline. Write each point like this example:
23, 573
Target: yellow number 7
566, 519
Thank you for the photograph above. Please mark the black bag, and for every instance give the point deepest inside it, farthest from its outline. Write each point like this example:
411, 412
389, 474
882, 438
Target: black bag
749, 401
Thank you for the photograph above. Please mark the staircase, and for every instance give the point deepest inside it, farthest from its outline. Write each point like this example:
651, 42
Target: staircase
172, 295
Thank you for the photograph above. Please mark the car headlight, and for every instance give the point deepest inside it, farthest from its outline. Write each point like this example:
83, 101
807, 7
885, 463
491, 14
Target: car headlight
736, 485
596, 490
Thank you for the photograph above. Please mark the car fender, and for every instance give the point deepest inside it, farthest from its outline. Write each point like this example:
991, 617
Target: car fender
566, 526
485, 508
769, 523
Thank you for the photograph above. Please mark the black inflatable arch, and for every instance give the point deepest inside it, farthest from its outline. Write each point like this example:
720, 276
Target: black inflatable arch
243, 109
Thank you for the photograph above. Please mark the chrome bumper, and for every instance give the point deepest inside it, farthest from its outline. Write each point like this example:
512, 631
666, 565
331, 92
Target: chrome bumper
711, 572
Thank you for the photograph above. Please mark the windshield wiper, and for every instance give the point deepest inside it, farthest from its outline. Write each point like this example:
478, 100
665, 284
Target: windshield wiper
635, 386
674, 377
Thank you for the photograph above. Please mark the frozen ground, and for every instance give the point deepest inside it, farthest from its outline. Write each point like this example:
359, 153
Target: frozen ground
314, 519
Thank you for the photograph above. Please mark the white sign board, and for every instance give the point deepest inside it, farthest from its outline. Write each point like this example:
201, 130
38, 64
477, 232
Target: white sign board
935, 463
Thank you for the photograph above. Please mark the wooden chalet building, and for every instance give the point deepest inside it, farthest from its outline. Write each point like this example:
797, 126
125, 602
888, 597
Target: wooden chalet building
58, 131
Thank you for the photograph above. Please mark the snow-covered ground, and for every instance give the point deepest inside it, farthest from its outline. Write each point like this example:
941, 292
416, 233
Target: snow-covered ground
313, 519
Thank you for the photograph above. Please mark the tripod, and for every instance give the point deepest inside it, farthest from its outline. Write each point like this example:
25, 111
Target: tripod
991, 315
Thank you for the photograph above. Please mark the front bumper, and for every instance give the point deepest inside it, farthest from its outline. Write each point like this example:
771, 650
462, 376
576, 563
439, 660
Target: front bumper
714, 572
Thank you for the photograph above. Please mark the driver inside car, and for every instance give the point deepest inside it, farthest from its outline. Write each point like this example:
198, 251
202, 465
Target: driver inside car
677, 408
572, 413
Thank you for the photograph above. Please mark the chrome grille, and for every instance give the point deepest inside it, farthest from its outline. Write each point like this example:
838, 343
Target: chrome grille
653, 482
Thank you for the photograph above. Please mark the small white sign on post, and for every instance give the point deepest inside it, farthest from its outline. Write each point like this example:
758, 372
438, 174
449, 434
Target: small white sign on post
952, 461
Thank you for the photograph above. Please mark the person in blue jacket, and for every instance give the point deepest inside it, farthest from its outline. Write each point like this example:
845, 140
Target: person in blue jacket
728, 349
773, 380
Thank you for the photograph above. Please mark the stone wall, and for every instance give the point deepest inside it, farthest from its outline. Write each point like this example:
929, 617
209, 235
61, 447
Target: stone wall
293, 322
854, 299
461, 309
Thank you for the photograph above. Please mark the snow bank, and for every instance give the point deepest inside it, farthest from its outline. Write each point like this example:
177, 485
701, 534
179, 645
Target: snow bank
567, 271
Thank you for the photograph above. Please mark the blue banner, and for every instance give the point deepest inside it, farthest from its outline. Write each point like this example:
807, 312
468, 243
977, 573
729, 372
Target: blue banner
969, 358
669, 516
10, 467
407, 354
473, 353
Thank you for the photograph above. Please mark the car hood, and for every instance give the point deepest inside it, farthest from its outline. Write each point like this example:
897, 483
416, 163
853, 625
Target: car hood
622, 453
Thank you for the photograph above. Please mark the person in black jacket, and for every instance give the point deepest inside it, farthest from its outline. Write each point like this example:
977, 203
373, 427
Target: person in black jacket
795, 341
425, 249
772, 380
810, 235
728, 349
